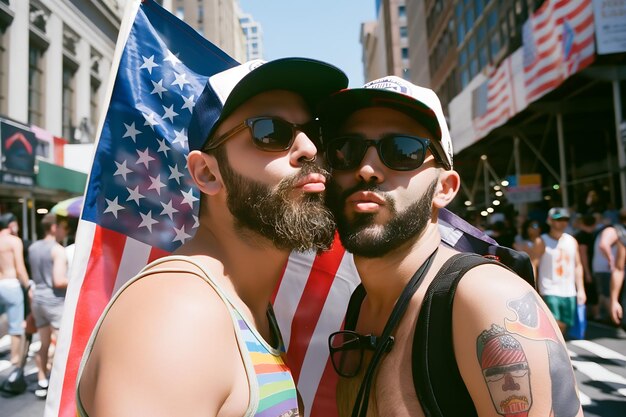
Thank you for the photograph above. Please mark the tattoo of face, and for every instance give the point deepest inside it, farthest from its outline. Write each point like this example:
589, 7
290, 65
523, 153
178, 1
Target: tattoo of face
506, 371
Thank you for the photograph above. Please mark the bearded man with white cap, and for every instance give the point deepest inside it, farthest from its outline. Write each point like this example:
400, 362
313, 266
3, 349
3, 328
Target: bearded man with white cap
390, 153
198, 337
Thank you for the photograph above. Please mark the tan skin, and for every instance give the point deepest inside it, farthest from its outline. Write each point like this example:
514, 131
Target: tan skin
557, 228
480, 301
189, 364
11, 267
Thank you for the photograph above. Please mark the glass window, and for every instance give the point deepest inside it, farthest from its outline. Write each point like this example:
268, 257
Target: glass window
483, 57
492, 18
473, 67
401, 11
406, 74
481, 33
68, 103
471, 46
463, 57
464, 78
460, 33
459, 11
35, 86
495, 43
180, 13
405, 53
469, 18
479, 7
404, 31
94, 101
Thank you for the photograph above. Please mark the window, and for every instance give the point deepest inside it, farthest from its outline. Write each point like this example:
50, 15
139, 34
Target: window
495, 43
405, 53
469, 18
401, 11
200, 13
68, 100
406, 74
253, 29
479, 7
180, 12
460, 33
35, 85
94, 108
404, 32
492, 18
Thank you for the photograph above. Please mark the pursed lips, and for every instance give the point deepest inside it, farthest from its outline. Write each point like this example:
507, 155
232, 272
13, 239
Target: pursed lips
365, 201
312, 183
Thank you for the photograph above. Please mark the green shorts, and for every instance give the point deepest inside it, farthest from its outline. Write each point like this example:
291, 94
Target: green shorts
562, 308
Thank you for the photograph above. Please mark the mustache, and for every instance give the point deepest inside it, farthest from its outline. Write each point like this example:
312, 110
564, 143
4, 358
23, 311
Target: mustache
307, 167
363, 186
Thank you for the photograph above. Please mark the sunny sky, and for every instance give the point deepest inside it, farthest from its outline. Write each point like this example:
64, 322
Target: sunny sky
328, 30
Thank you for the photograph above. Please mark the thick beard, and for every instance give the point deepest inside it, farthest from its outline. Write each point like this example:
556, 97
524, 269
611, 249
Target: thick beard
362, 237
293, 223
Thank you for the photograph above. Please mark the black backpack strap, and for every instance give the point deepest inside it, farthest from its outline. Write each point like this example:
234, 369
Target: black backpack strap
436, 377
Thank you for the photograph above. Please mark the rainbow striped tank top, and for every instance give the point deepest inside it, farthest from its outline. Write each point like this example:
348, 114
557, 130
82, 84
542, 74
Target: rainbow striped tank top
272, 390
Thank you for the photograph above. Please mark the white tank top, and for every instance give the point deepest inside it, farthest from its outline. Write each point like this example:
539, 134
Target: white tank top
557, 267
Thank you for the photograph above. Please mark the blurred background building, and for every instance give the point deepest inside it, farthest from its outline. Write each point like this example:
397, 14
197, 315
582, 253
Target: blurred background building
533, 91
55, 59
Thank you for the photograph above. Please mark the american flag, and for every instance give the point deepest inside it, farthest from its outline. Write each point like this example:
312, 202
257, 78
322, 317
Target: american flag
493, 102
558, 41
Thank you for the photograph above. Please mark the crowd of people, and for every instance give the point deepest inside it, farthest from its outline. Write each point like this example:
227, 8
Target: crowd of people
33, 281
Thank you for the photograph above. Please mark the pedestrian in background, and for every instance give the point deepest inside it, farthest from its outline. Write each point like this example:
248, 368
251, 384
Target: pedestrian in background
585, 236
560, 271
13, 281
48, 266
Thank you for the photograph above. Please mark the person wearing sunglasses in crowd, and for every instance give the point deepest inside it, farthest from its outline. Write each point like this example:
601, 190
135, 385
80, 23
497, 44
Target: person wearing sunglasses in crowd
199, 336
390, 154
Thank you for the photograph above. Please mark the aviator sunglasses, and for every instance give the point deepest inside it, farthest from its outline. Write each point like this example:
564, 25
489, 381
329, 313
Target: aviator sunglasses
347, 348
396, 151
271, 134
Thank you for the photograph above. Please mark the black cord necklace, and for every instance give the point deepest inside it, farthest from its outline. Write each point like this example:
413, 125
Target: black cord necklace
362, 399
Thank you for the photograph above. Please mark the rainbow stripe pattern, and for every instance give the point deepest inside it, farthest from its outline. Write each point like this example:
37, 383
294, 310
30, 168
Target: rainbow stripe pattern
277, 391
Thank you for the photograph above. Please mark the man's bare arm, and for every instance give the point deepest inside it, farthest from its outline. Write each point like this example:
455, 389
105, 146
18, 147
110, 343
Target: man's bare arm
617, 280
510, 351
608, 237
20, 267
59, 267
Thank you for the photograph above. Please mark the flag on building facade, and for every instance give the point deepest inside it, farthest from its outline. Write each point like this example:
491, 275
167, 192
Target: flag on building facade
493, 102
558, 41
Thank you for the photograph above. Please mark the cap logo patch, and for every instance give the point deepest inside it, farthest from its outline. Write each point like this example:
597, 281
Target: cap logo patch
387, 84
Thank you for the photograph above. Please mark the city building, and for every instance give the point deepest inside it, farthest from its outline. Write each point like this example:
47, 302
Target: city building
386, 41
525, 84
55, 58
216, 20
253, 33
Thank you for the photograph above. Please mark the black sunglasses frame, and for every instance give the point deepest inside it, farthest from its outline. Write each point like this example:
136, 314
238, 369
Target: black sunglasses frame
363, 343
427, 144
311, 129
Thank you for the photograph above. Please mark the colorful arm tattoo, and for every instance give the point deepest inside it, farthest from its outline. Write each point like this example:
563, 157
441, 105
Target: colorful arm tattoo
505, 367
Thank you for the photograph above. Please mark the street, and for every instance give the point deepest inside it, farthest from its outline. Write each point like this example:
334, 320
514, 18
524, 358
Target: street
599, 363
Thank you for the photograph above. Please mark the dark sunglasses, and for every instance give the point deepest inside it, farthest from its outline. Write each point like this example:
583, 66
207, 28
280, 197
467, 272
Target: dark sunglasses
347, 347
397, 152
270, 134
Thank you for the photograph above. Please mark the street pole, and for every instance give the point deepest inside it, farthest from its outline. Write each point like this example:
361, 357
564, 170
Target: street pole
486, 180
563, 170
621, 159
521, 208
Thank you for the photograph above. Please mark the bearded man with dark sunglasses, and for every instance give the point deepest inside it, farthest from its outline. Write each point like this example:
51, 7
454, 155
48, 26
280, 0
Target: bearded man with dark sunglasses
390, 153
199, 336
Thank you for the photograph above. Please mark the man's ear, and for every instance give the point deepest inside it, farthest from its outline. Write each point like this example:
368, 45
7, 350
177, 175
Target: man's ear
449, 183
204, 172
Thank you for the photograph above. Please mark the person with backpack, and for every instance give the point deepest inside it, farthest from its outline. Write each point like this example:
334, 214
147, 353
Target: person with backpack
609, 253
497, 349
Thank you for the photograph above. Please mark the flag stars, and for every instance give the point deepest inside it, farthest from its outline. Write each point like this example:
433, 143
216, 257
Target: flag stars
189, 103
147, 221
172, 58
150, 120
169, 113
156, 184
122, 169
134, 195
163, 146
169, 209
148, 63
112, 207
181, 80
175, 174
188, 198
131, 132
181, 235
144, 157
158, 88
196, 221
180, 138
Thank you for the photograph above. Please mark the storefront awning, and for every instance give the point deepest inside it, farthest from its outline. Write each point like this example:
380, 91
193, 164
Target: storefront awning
59, 178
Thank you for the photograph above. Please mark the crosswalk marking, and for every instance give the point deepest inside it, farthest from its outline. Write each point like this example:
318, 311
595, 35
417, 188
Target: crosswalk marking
599, 373
598, 350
